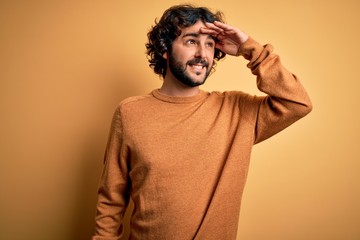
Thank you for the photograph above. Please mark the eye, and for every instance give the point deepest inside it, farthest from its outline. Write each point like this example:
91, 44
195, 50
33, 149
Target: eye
210, 44
190, 42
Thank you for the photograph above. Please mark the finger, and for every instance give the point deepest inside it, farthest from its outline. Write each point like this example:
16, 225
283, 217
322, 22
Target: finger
214, 32
207, 30
229, 29
223, 26
213, 27
210, 32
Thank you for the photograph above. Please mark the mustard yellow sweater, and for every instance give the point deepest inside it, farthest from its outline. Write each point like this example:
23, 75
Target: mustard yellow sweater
184, 161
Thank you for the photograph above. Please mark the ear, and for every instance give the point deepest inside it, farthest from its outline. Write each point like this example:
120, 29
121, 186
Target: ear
165, 55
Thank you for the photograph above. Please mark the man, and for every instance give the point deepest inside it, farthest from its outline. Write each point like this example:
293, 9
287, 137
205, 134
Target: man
182, 154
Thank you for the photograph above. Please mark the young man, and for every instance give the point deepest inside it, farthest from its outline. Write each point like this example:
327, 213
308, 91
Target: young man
182, 154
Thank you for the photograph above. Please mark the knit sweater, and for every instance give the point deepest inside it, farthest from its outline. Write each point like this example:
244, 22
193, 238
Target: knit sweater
184, 160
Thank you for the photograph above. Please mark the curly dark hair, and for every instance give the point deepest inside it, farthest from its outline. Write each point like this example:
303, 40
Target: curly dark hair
162, 35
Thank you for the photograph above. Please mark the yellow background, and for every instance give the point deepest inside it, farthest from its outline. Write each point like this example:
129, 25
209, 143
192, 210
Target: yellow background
64, 65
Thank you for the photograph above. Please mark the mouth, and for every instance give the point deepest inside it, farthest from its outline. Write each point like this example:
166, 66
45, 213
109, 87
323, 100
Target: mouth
197, 67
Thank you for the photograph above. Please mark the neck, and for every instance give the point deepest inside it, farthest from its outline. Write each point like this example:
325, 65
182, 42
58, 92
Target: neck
177, 89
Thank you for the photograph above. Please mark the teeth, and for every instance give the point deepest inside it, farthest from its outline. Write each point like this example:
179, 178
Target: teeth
198, 67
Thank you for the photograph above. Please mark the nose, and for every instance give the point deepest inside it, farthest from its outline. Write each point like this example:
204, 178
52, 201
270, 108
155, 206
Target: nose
200, 51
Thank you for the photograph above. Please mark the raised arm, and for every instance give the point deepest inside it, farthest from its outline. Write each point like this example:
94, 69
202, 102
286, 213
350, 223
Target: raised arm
286, 100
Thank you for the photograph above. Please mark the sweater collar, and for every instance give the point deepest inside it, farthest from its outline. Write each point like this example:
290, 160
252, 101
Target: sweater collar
173, 99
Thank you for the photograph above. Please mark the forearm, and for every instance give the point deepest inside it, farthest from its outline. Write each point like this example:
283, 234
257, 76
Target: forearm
286, 100
109, 215
272, 77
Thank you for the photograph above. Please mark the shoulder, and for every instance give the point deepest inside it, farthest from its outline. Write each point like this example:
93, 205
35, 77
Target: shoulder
238, 98
238, 95
131, 105
134, 101
122, 109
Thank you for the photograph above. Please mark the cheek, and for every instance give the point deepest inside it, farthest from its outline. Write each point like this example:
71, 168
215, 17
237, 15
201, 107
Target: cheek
183, 56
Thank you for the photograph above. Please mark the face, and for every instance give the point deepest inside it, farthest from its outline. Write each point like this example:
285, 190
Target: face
192, 55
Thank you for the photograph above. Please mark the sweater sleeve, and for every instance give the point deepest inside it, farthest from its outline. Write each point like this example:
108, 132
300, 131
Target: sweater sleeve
113, 196
286, 100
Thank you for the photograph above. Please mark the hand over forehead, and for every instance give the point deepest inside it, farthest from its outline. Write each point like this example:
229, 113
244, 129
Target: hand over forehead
229, 38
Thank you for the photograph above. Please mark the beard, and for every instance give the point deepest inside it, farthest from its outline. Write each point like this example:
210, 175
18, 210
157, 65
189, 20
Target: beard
179, 70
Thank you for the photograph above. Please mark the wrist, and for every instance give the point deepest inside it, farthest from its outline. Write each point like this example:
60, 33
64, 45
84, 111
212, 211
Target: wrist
243, 39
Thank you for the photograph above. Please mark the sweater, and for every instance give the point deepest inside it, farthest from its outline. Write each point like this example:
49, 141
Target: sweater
184, 160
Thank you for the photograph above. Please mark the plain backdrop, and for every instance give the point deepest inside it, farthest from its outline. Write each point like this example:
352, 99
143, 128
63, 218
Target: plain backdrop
65, 65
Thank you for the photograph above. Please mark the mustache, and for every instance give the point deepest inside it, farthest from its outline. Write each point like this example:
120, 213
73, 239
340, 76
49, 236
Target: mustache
198, 61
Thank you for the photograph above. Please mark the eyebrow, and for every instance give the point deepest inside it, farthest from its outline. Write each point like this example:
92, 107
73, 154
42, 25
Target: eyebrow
197, 35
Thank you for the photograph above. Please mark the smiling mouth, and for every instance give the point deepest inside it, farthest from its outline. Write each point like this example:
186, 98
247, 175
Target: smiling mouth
197, 66
198, 69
